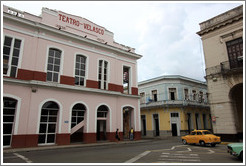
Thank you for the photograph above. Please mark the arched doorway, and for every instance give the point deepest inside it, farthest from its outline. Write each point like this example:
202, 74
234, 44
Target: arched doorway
102, 113
236, 95
48, 123
127, 121
77, 117
9, 109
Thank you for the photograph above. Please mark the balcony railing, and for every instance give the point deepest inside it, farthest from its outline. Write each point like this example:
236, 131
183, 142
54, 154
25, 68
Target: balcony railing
174, 103
226, 67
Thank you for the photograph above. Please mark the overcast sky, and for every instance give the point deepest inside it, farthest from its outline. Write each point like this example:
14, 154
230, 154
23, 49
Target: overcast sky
164, 33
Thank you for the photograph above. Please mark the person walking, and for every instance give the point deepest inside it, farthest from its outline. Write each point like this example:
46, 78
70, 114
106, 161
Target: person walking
131, 134
117, 135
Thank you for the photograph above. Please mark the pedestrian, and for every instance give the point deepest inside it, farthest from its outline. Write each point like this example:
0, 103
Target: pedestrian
131, 134
117, 135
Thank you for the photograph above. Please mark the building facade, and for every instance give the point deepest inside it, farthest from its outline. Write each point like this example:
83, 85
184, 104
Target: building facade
173, 106
222, 38
65, 80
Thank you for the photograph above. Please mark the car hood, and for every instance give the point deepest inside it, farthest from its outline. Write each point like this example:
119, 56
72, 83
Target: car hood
235, 144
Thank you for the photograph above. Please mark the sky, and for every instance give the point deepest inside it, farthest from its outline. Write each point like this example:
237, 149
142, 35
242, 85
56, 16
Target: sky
164, 33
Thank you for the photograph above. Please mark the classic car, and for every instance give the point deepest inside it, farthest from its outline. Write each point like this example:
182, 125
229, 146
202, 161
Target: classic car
236, 149
202, 137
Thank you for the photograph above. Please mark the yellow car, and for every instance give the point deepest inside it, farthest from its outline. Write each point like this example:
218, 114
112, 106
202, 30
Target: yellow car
202, 137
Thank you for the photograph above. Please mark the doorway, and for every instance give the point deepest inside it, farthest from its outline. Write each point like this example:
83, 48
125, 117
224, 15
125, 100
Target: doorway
174, 129
102, 116
127, 121
156, 125
143, 125
101, 130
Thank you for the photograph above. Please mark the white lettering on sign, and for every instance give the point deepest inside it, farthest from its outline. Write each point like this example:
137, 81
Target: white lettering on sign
75, 22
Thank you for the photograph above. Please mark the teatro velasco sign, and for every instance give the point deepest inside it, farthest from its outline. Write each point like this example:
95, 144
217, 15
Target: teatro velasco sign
77, 25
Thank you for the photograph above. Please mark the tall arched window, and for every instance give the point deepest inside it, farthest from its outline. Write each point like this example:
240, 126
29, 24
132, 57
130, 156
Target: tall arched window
48, 121
53, 65
9, 107
78, 112
103, 74
80, 70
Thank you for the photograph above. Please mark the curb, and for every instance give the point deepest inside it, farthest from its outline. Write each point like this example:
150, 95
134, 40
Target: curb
40, 148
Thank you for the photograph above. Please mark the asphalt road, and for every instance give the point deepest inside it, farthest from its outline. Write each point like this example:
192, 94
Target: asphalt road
149, 151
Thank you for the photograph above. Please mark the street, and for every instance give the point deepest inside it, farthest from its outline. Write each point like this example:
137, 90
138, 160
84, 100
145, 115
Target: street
149, 151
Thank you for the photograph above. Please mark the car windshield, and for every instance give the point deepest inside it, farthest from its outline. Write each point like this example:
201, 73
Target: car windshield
207, 132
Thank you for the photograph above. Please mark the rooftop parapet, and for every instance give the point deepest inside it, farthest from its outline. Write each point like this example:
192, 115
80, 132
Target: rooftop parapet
221, 20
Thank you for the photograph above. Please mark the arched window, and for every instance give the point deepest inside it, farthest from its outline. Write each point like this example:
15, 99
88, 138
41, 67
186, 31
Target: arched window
102, 111
48, 121
80, 70
53, 65
78, 112
9, 107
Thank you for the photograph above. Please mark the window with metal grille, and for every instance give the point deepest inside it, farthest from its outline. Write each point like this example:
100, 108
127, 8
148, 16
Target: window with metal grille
235, 52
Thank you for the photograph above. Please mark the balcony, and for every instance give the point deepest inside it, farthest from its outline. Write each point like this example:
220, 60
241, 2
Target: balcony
173, 103
227, 67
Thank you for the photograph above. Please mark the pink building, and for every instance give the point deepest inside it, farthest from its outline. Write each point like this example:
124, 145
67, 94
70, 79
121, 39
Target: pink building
65, 80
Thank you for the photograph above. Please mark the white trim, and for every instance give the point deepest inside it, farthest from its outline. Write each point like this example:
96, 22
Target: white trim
59, 113
130, 76
11, 51
61, 62
172, 87
132, 113
108, 118
112, 55
86, 65
153, 122
102, 77
175, 120
85, 118
17, 111
68, 87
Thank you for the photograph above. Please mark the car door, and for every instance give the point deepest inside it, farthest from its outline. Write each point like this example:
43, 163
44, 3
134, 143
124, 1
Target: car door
192, 137
198, 137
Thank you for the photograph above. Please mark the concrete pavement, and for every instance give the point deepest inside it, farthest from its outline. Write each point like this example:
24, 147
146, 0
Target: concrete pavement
99, 143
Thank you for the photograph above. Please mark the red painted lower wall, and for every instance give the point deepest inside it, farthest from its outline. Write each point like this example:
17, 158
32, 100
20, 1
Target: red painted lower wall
62, 139
24, 141
116, 88
137, 135
91, 84
67, 80
24, 74
89, 137
134, 91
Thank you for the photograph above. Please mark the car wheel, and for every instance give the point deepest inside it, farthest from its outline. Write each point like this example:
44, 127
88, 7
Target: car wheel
213, 145
202, 143
184, 141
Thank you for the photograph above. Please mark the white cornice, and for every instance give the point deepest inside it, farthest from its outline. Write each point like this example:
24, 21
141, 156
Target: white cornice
66, 43
33, 83
70, 35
